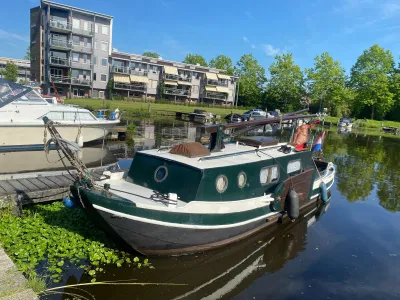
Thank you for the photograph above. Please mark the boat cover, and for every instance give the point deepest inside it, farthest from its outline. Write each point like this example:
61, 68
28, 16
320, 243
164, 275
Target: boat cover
11, 91
193, 149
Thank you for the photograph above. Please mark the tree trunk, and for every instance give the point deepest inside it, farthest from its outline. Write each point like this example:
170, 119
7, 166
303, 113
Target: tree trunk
372, 113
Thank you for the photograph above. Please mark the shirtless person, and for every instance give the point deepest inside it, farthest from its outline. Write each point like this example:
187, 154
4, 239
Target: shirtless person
300, 136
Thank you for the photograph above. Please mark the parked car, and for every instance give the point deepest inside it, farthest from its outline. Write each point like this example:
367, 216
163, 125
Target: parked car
256, 113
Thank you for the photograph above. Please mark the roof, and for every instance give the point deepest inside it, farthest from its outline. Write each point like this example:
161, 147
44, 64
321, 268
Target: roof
84, 11
231, 155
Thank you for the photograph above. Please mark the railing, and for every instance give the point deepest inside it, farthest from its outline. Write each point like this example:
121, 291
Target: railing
131, 87
177, 92
54, 60
215, 95
82, 48
171, 77
60, 79
80, 65
81, 81
130, 71
60, 25
217, 83
186, 79
83, 31
60, 43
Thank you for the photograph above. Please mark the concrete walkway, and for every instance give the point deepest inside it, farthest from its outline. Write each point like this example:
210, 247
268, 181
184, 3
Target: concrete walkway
13, 285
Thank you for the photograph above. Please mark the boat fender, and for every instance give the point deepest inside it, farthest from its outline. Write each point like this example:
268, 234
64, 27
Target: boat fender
293, 209
79, 140
324, 192
67, 201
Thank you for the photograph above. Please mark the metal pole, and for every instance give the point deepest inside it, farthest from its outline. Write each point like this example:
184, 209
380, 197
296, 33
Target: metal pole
237, 91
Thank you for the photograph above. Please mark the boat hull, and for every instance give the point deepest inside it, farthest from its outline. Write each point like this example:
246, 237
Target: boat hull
20, 138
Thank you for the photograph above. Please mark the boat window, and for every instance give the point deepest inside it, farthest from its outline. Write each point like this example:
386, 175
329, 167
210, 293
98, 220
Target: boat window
70, 116
293, 166
269, 175
160, 174
31, 97
221, 183
242, 179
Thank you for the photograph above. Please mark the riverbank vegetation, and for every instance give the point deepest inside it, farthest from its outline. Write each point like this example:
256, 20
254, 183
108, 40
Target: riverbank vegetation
50, 239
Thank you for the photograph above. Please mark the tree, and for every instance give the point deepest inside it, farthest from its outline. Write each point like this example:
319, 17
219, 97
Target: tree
371, 79
252, 80
286, 85
327, 84
195, 59
10, 72
222, 62
151, 54
28, 53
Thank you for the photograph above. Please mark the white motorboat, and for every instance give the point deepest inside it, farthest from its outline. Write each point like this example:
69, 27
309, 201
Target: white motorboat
22, 109
345, 122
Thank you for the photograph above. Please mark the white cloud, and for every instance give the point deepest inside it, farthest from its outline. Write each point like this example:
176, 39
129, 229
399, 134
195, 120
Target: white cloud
270, 50
253, 46
245, 39
13, 36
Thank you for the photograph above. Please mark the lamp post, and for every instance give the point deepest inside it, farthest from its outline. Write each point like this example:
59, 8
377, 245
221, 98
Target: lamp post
237, 91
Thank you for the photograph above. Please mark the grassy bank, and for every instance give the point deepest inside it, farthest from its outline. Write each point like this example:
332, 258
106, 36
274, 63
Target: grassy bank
154, 107
367, 123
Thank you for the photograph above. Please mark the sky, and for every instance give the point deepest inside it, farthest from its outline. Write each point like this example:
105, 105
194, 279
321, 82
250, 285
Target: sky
265, 28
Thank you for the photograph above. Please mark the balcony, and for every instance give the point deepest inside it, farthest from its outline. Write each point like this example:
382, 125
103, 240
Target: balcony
130, 87
216, 96
81, 81
125, 70
60, 44
176, 92
81, 65
83, 31
82, 48
58, 61
60, 26
185, 78
60, 79
171, 77
217, 82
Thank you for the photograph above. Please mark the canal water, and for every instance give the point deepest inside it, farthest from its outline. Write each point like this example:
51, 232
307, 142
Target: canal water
346, 249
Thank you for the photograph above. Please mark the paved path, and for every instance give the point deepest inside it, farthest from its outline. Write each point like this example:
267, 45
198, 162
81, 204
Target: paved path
13, 285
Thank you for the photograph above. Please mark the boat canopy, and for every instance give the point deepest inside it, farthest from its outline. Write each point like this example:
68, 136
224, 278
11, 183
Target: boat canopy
11, 91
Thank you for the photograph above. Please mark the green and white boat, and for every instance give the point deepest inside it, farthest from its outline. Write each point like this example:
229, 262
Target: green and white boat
191, 198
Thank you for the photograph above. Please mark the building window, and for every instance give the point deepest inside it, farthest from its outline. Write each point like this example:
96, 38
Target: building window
75, 91
81, 93
75, 73
269, 175
103, 78
101, 94
76, 23
95, 44
95, 60
94, 76
86, 25
75, 40
104, 62
85, 57
104, 29
75, 57
104, 46
96, 28
293, 166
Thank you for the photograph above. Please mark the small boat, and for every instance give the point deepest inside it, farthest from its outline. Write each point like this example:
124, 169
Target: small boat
192, 198
22, 109
345, 122
392, 130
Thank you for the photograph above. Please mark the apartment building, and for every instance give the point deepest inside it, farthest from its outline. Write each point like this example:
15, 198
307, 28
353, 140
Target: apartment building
139, 76
24, 68
70, 49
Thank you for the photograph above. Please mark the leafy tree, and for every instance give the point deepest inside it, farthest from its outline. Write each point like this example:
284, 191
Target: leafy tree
195, 59
327, 84
286, 85
28, 53
222, 62
151, 54
10, 72
371, 79
252, 80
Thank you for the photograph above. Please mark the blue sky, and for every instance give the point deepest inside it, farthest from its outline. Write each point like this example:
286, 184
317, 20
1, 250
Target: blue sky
174, 28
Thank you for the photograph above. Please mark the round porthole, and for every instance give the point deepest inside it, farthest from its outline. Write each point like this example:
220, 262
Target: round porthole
160, 174
221, 183
242, 179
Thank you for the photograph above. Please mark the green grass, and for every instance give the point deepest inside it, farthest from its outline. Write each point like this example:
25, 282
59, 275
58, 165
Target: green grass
367, 123
154, 107
36, 283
